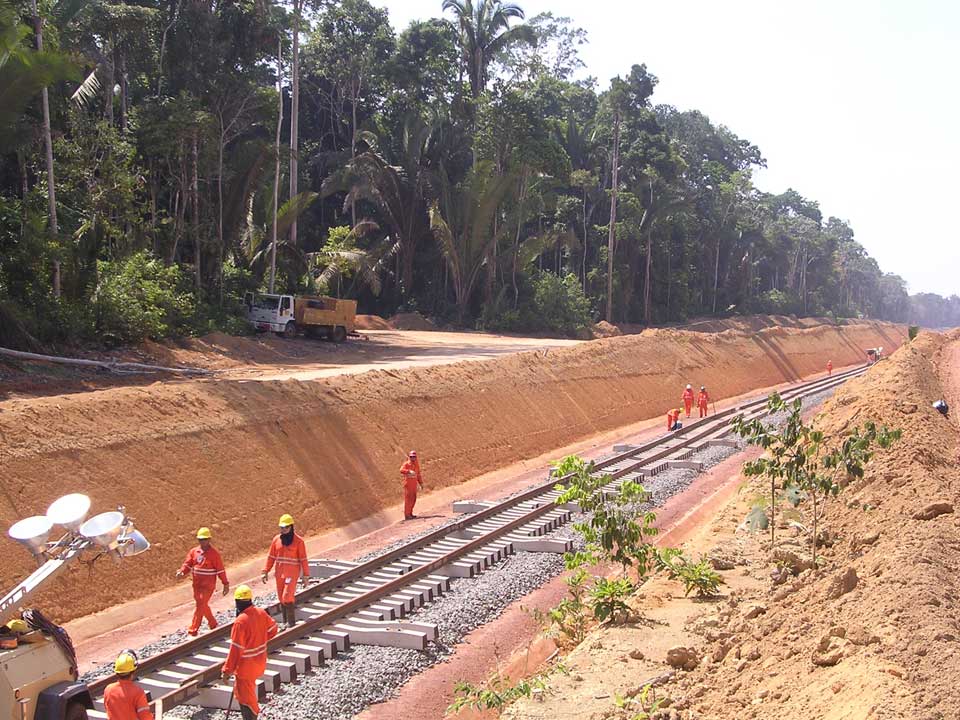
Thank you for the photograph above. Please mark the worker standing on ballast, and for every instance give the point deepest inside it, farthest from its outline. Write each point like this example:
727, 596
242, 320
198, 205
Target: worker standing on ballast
687, 398
703, 400
288, 552
204, 565
123, 699
247, 659
829, 368
412, 481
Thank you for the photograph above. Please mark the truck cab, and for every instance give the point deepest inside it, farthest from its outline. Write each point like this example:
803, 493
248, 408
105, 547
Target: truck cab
271, 313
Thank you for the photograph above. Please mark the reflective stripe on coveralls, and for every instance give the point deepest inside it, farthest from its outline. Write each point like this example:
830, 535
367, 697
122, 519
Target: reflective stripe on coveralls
204, 566
291, 562
247, 659
124, 700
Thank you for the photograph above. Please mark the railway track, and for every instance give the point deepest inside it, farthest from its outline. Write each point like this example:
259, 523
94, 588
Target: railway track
369, 603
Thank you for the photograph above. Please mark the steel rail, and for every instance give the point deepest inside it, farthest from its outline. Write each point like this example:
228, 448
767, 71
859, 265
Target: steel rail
636, 456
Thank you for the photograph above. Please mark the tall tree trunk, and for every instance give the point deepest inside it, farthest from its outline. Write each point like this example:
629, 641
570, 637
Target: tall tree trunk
109, 82
646, 279
295, 112
123, 91
195, 191
220, 205
716, 275
276, 170
48, 149
354, 98
611, 238
516, 240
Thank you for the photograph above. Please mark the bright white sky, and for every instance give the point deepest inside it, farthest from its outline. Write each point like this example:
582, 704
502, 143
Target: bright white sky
854, 103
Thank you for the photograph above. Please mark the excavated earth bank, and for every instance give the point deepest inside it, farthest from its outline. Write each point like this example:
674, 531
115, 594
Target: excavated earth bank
234, 455
873, 633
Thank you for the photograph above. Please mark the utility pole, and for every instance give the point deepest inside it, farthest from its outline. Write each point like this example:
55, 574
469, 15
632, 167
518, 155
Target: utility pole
611, 238
48, 147
276, 172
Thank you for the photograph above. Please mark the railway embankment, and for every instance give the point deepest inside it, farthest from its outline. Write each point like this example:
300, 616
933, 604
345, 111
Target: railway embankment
234, 455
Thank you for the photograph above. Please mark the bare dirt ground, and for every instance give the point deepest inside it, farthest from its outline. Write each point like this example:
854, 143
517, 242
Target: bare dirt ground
235, 454
871, 633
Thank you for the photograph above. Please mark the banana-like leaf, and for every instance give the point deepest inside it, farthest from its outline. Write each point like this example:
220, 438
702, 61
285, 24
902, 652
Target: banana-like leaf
87, 90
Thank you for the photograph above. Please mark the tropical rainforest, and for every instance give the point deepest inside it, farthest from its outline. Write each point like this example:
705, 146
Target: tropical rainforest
160, 158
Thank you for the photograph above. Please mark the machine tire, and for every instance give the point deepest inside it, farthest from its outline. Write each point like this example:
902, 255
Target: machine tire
75, 711
339, 334
290, 330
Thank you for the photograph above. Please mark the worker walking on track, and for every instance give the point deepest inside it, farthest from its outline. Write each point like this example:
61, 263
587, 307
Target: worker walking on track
204, 565
703, 400
687, 398
247, 659
829, 368
288, 552
412, 481
123, 699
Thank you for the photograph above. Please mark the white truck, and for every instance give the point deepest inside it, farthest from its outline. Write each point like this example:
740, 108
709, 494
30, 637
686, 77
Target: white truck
315, 316
38, 668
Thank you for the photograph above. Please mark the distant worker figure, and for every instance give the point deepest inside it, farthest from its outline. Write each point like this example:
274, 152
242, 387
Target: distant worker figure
829, 368
673, 419
123, 699
703, 400
289, 553
412, 481
247, 660
204, 565
687, 398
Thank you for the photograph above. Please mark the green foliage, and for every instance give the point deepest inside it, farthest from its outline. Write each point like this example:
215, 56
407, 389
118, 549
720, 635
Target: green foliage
799, 456
913, 331
139, 298
568, 620
695, 576
608, 599
496, 694
645, 703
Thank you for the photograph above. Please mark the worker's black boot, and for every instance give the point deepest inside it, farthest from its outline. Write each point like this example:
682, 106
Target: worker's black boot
247, 713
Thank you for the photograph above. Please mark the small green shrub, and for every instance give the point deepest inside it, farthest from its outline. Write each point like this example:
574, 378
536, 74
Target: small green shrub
608, 599
913, 331
495, 695
696, 576
139, 298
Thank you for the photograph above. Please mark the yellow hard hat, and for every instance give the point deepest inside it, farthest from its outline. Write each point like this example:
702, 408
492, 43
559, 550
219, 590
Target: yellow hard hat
125, 664
243, 592
18, 626
204, 533
286, 520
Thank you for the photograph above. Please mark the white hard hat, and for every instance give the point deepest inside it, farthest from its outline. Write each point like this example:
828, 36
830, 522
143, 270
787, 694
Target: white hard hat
689, 386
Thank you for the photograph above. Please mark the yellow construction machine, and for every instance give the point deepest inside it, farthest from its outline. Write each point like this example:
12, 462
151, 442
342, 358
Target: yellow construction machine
38, 665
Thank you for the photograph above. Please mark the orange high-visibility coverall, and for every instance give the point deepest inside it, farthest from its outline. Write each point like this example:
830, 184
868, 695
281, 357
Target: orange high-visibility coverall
412, 480
672, 416
687, 398
124, 700
291, 561
204, 568
248, 653
829, 367
703, 400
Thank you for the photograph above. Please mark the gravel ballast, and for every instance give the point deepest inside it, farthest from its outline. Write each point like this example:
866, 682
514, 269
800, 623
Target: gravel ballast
366, 675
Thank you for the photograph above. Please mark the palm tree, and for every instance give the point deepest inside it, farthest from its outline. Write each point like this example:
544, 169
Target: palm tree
398, 190
484, 32
463, 224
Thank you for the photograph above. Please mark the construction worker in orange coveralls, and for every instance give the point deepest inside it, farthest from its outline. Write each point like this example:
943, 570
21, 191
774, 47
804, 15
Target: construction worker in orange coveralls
703, 400
687, 398
289, 553
204, 565
673, 419
412, 481
247, 659
123, 699
829, 368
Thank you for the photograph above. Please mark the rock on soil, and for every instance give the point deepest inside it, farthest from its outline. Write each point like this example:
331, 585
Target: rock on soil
603, 329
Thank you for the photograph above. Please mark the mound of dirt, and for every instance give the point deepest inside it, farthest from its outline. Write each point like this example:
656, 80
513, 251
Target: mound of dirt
603, 329
235, 455
411, 321
372, 322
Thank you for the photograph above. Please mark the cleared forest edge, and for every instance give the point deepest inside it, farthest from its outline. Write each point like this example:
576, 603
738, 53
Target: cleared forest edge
235, 455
